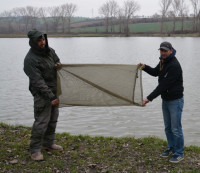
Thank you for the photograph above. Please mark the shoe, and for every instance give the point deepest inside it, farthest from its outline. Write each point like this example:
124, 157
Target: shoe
38, 156
167, 153
53, 147
176, 158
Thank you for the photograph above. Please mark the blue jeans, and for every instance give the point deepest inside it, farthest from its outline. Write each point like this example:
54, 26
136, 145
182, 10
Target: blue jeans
172, 113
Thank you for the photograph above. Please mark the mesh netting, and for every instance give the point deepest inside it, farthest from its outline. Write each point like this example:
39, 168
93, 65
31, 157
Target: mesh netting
99, 85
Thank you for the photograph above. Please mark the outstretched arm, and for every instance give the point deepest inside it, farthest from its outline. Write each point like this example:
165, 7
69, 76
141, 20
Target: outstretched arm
151, 71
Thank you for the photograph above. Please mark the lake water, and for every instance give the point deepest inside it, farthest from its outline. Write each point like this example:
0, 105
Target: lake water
16, 105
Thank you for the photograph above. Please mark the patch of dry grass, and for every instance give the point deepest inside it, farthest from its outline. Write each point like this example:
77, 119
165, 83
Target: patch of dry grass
91, 154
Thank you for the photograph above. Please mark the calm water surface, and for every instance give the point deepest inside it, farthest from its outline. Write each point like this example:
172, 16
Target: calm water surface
17, 103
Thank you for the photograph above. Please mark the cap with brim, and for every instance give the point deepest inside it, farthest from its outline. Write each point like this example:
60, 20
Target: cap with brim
165, 46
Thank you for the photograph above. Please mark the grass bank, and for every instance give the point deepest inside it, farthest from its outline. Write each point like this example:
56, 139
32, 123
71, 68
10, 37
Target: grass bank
91, 154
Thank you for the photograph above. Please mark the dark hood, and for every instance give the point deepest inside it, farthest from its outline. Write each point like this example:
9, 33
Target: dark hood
33, 35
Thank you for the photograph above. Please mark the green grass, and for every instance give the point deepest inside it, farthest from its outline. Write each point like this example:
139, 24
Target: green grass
140, 27
91, 154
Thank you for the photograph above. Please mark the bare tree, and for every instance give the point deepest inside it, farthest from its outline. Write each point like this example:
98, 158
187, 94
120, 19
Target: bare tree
18, 18
67, 12
8, 19
130, 8
25, 17
182, 12
113, 13
121, 20
42, 13
63, 16
32, 12
198, 20
175, 10
198, 17
195, 5
55, 13
164, 4
105, 12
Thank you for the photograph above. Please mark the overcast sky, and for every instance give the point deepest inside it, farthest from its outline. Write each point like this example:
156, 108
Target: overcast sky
86, 8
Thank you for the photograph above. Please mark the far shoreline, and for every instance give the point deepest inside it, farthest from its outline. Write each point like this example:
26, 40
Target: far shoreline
105, 35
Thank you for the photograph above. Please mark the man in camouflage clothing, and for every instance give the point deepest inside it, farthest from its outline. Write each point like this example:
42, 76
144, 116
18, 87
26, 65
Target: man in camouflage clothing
40, 65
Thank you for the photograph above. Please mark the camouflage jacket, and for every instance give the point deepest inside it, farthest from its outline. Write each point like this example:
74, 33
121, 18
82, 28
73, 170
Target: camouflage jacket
39, 66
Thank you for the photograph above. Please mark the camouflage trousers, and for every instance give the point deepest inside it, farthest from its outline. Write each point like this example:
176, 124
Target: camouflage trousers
44, 126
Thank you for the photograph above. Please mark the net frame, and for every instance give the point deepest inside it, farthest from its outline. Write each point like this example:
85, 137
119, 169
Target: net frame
137, 80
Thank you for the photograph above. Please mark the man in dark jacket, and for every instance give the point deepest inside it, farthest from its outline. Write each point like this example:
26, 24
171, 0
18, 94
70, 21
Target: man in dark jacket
40, 65
170, 88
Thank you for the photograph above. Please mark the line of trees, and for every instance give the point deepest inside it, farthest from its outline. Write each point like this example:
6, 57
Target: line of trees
20, 20
114, 14
169, 9
180, 8
59, 18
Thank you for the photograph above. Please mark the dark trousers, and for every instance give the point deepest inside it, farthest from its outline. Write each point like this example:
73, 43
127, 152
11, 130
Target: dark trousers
44, 126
